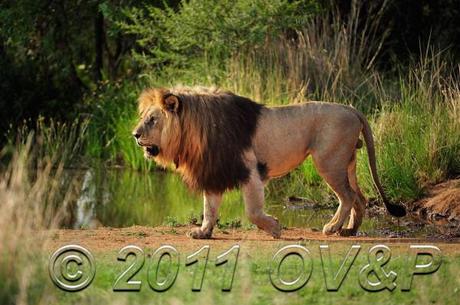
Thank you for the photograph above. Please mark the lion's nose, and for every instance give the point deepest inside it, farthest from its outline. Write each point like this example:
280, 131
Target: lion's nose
136, 135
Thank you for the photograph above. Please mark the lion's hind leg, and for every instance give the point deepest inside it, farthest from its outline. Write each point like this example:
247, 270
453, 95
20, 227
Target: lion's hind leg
336, 176
359, 205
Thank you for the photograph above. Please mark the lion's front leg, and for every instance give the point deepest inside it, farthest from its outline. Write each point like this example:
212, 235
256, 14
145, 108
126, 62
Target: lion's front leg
210, 212
253, 193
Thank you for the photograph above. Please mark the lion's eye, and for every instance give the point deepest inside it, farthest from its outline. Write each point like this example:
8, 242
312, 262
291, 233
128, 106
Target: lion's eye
151, 120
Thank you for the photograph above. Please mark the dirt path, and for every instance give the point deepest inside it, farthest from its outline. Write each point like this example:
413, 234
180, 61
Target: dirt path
113, 239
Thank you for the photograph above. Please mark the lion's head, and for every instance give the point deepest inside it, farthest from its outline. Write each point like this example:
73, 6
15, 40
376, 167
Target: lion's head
203, 131
158, 131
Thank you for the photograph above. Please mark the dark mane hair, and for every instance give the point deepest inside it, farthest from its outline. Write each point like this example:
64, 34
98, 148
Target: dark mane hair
216, 127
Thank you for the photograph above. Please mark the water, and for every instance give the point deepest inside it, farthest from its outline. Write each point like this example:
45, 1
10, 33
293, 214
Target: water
122, 198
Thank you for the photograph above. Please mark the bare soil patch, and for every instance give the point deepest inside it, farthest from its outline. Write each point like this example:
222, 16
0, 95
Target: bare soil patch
113, 239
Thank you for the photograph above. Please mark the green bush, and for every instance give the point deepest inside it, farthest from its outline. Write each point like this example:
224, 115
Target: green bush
204, 32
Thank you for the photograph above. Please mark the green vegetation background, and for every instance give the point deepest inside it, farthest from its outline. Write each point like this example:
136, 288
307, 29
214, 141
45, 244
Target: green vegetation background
71, 72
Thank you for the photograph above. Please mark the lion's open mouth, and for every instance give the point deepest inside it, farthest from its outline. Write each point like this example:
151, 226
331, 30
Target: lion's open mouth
152, 150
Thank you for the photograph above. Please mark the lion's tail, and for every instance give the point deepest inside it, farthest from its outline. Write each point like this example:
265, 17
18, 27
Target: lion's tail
393, 209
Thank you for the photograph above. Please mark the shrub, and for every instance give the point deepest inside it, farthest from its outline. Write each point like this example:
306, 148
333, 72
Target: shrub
210, 30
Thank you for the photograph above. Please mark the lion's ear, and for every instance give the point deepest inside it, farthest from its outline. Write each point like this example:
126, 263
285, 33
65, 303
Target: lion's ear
171, 103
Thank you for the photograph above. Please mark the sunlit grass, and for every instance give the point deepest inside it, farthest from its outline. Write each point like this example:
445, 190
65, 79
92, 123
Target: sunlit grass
31, 199
252, 282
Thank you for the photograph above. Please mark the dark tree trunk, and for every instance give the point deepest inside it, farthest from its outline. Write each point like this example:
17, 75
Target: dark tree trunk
99, 44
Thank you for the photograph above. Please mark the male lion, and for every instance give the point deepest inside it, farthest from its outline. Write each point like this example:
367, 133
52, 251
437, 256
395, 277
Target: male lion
218, 140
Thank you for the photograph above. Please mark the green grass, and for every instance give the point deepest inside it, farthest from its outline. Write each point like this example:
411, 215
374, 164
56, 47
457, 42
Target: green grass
49, 140
252, 283
113, 118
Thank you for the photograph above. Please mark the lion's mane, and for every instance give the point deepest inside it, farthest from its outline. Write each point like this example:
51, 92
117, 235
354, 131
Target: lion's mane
215, 128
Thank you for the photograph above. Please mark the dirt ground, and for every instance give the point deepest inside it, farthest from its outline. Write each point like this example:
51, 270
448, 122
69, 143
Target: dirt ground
113, 239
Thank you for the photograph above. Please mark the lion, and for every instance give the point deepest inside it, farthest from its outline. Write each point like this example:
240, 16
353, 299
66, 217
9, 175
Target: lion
218, 141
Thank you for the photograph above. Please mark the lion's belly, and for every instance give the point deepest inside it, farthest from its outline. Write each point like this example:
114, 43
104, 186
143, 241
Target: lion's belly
280, 143
282, 158
278, 168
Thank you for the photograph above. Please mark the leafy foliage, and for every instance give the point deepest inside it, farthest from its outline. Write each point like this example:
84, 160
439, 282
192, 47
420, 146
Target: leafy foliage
54, 52
212, 30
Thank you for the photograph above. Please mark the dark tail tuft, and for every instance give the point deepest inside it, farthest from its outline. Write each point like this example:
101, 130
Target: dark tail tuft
396, 210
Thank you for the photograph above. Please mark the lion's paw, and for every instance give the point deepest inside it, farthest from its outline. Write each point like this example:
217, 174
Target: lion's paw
329, 229
276, 231
197, 233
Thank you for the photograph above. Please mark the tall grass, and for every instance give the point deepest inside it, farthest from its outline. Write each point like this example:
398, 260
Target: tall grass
110, 129
330, 59
418, 133
31, 200
51, 141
